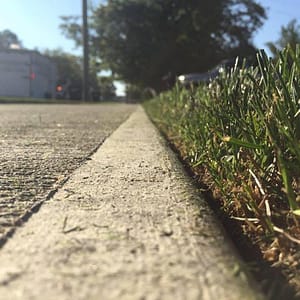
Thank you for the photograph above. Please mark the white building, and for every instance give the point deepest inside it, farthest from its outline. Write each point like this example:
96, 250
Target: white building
25, 73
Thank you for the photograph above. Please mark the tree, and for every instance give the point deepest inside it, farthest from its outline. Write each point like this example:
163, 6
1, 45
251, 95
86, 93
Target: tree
68, 65
290, 35
71, 29
142, 40
135, 93
69, 71
8, 39
107, 88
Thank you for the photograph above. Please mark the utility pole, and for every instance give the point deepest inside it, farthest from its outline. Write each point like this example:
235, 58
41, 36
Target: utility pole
85, 90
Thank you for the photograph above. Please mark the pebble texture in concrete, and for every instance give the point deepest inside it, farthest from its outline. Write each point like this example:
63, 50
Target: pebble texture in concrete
127, 225
41, 145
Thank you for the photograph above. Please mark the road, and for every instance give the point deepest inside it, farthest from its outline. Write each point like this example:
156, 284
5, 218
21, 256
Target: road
41, 145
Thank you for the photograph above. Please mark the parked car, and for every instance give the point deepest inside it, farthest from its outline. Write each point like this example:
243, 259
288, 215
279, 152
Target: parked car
197, 78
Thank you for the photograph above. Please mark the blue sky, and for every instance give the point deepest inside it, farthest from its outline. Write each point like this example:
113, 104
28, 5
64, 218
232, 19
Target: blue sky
279, 13
36, 22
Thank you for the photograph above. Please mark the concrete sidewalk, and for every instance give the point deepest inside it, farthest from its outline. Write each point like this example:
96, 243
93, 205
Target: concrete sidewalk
127, 225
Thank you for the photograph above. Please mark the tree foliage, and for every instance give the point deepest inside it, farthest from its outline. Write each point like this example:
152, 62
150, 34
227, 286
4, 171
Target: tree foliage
68, 65
69, 70
71, 29
8, 38
107, 88
289, 35
143, 40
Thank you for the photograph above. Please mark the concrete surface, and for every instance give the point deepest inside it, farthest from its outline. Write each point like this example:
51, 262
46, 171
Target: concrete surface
128, 224
41, 145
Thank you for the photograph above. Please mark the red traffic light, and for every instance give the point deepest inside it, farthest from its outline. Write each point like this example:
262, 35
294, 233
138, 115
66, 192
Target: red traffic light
59, 88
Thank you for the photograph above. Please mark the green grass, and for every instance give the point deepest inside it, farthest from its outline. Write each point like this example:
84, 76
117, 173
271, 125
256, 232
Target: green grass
24, 100
243, 132
27, 100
